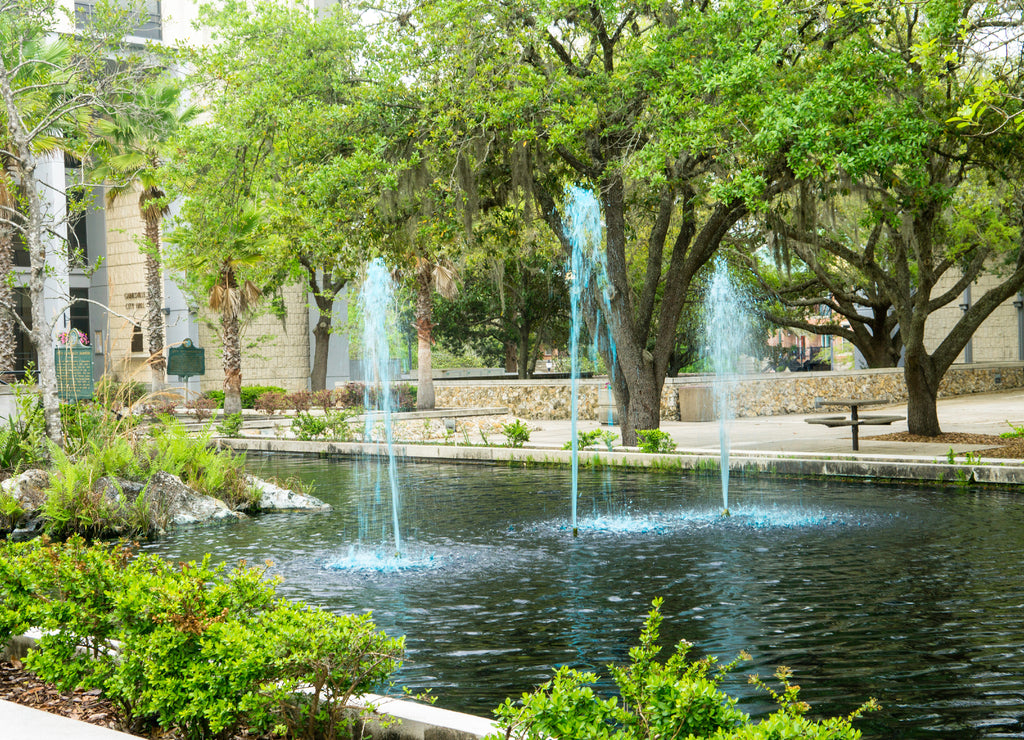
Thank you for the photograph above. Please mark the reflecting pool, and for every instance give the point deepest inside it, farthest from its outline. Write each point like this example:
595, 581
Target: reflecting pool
910, 595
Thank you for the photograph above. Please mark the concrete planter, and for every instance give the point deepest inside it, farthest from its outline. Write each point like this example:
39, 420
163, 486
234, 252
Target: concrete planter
696, 403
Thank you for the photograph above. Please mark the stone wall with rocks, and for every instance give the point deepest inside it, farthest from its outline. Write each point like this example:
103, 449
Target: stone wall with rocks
755, 395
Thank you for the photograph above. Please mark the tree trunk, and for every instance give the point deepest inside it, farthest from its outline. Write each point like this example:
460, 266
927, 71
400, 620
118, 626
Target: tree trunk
154, 299
232, 365
8, 334
41, 334
424, 338
922, 392
524, 352
321, 351
511, 365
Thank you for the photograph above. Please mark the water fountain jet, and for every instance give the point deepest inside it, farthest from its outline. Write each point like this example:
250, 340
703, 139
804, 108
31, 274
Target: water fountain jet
375, 299
588, 281
726, 340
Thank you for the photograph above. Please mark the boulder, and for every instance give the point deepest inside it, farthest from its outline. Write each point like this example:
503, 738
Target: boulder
28, 489
179, 505
276, 498
118, 491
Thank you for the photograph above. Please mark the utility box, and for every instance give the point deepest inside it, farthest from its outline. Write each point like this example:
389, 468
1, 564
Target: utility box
606, 412
696, 403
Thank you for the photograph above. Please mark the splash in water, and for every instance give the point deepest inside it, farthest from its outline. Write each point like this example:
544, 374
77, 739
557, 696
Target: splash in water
375, 302
726, 341
588, 281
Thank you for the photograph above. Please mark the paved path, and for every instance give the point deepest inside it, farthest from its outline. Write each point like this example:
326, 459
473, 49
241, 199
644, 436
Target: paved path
985, 413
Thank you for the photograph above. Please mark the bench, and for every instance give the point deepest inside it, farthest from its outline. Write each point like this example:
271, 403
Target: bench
854, 420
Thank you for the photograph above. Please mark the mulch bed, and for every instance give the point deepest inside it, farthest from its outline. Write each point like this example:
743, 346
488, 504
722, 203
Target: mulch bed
22, 687
1000, 446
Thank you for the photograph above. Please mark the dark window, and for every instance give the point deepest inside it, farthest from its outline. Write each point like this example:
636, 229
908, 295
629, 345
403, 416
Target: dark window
24, 353
137, 345
79, 311
147, 18
21, 258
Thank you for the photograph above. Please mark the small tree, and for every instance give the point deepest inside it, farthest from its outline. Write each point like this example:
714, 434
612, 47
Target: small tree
51, 86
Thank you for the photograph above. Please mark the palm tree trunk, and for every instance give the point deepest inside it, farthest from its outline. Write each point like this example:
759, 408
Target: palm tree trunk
232, 364
154, 301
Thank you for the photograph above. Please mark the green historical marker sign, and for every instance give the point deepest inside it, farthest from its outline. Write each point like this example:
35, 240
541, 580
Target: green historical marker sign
186, 360
74, 373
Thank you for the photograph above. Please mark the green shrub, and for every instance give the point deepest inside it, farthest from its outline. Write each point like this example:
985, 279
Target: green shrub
230, 425
584, 439
250, 393
333, 425
217, 396
674, 699
654, 440
309, 427
516, 433
271, 403
203, 650
1016, 433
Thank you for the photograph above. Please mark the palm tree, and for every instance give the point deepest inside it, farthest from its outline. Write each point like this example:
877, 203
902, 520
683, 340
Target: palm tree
131, 152
429, 276
221, 253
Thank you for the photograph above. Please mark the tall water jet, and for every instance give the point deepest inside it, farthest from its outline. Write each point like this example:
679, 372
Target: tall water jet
726, 341
588, 281
376, 299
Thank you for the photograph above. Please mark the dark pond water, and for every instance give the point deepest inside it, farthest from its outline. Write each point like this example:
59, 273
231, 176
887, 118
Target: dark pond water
912, 596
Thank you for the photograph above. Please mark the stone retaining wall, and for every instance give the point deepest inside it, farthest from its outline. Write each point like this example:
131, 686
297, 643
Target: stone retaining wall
755, 395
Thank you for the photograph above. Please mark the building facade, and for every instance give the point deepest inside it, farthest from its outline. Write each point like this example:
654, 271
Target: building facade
94, 254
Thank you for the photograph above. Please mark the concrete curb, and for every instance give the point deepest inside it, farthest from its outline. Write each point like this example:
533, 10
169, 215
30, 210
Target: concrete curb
903, 469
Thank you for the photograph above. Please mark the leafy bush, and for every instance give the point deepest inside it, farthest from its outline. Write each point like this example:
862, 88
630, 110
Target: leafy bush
332, 425
352, 395
250, 393
230, 425
654, 440
584, 439
217, 396
202, 650
674, 699
1016, 433
202, 407
309, 427
516, 433
271, 403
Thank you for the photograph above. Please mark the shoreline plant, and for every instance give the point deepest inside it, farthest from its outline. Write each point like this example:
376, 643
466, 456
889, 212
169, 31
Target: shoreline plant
677, 698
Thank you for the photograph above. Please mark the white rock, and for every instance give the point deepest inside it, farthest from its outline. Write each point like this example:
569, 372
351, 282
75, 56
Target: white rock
276, 498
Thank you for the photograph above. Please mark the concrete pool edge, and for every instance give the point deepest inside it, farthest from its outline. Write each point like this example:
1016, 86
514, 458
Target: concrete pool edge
899, 468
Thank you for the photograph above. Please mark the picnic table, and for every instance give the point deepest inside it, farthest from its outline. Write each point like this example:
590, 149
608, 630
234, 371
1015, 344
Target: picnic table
855, 420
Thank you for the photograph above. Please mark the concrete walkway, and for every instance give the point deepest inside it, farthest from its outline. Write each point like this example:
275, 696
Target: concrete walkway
986, 413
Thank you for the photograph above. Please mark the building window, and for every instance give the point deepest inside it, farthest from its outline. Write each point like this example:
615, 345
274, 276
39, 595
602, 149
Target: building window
79, 310
147, 21
24, 353
21, 256
137, 343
